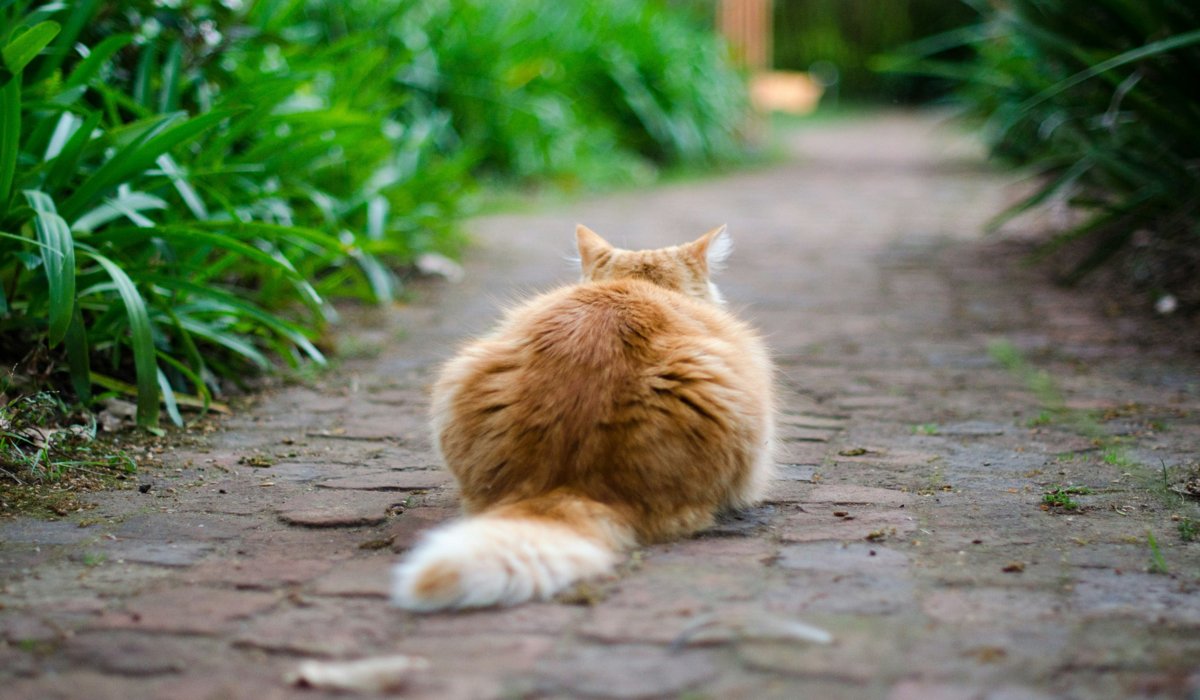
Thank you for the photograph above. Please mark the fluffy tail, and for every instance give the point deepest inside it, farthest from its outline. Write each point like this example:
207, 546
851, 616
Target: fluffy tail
513, 553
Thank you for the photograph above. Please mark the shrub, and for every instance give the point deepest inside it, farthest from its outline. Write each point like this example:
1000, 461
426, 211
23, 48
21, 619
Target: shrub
575, 91
177, 204
183, 186
849, 34
1099, 98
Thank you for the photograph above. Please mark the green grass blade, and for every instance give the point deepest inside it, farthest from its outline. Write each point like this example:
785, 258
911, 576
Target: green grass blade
142, 339
144, 74
168, 98
10, 139
66, 163
78, 361
186, 192
168, 399
79, 14
201, 390
100, 53
1132, 56
138, 156
228, 341
58, 261
24, 48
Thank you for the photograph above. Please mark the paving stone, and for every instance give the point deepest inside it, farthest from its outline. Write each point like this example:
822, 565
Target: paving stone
991, 605
1099, 592
736, 551
531, 619
333, 509
628, 671
258, 572
816, 523
808, 420
300, 472
190, 527
743, 523
186, 610
845, 558
885, 592
158, 553
975, 428
44, 532
131, 653
408, 526
17, 626
322, 628
795, 472
925, 690
795, 434
857, 495
390, 481
787, 491
364, 577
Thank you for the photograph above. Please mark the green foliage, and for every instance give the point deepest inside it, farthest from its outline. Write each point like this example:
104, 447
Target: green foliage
575, 91
1061, 497
1189, 529
1099, 98
1158, 563
179, 199
180, 215
848, 35
36, 445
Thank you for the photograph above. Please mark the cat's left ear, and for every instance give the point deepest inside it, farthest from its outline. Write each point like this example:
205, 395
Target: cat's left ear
713, 248
591, 247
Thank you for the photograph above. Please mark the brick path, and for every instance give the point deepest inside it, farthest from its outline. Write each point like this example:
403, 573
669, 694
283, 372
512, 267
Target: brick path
906, 523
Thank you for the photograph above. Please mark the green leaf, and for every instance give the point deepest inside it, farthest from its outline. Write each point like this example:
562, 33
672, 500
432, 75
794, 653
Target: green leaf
99, 55
144, 74
80, 12
77, 357
66, 163
231, 303
142, 339
202, 391
168, 99
10, 139
162, 136
24, 48
58, 261
168, 398
1151, 49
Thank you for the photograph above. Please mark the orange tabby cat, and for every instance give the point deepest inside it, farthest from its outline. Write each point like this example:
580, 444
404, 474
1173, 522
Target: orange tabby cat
629, 408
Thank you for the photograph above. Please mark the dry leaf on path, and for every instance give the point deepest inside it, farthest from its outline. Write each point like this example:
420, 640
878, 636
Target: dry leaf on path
363, 675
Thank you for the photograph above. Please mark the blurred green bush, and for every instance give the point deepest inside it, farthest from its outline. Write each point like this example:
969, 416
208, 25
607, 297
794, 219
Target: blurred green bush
183, 186
1100, 98
846, 35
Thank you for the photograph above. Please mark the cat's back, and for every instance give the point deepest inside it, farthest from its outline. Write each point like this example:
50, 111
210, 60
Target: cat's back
626, 321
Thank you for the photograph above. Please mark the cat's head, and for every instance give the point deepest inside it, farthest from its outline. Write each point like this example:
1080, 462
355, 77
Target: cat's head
682, 268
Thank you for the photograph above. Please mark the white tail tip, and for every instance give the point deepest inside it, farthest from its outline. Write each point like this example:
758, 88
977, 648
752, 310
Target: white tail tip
492, 560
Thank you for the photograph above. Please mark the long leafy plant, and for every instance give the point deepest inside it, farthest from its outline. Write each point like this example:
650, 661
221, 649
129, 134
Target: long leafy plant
1099, 98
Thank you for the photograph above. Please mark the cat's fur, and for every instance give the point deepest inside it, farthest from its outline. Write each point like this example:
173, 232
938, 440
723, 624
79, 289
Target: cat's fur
629, 408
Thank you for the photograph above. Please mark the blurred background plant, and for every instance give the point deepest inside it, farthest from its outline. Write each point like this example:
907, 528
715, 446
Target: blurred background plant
1098, 100
184, 187
840, 42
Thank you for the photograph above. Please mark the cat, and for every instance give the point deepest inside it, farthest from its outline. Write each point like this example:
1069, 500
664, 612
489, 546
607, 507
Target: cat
627, 409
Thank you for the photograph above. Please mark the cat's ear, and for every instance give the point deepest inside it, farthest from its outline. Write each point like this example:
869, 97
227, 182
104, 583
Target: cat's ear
591, 247
713, 248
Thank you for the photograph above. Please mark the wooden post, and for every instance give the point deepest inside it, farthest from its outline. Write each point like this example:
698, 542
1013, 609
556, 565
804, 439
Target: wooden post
746, 25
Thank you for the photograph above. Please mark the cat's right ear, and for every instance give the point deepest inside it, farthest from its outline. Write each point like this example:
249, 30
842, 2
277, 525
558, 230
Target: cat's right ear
592, 248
